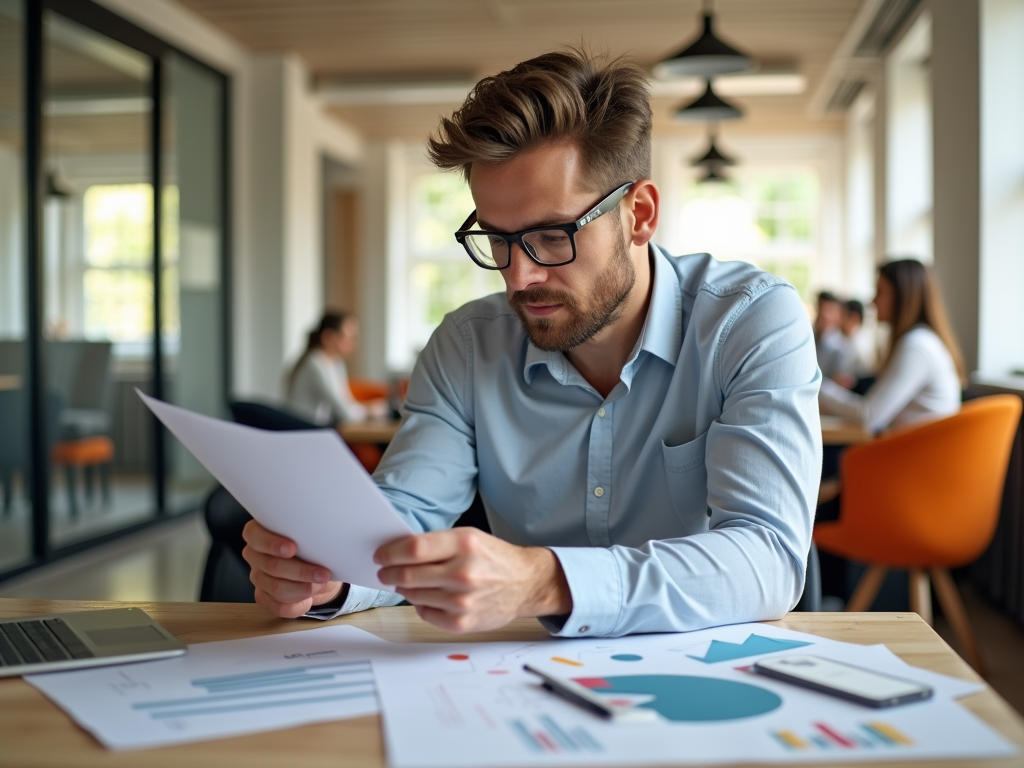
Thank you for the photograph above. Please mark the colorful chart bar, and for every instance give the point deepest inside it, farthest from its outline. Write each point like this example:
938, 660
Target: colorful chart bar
871, 735
552, 737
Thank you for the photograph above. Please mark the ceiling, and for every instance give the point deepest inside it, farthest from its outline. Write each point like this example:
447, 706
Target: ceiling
465, 39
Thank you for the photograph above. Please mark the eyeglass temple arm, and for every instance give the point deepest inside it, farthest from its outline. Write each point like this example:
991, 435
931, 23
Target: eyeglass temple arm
602, 207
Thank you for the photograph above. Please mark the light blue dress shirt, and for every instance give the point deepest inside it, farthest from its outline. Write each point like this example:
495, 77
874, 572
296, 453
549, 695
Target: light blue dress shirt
684, 499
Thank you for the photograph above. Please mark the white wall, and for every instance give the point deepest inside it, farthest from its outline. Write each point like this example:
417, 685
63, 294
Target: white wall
1001, 322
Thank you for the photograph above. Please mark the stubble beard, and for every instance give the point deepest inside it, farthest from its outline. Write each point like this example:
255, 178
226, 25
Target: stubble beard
606, 302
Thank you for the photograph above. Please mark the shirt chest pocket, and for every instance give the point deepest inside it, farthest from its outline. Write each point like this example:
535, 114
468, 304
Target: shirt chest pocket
687, 479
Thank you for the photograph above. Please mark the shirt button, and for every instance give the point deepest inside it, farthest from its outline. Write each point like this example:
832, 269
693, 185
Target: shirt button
601, 413
599, 491
584, 628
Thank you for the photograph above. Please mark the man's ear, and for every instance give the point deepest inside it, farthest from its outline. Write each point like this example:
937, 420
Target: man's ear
645, 202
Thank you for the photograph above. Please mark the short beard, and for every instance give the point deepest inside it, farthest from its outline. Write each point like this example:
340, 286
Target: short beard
610, 291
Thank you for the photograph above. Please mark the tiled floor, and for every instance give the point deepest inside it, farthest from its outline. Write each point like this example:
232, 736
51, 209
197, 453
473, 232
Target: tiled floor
166, 564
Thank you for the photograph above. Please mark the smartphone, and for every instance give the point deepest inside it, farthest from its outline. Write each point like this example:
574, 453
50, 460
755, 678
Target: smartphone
843, 680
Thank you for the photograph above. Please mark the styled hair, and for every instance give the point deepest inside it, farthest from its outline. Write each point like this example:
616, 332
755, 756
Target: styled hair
917, 301
331, 321
599, 104
827, 296
854, 307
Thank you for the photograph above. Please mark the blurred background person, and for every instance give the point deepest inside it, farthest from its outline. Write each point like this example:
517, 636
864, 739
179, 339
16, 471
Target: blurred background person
856, 358
921, 375
318, 386
828, 338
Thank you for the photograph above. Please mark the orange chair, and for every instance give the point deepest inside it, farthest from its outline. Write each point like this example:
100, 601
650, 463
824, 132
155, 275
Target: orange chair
365, 390
925, 499
85, 453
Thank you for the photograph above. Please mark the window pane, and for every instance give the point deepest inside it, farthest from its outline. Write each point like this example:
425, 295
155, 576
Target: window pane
15, 504
192, 312
98, 280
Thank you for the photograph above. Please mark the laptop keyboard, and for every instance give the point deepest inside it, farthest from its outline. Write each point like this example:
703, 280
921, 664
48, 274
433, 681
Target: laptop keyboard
38, 641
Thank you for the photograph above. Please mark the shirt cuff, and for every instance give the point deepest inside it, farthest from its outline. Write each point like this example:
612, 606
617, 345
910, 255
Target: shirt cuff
356, 599
596, 589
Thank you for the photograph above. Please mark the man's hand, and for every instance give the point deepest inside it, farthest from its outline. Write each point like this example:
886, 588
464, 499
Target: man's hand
285, 585
465, 580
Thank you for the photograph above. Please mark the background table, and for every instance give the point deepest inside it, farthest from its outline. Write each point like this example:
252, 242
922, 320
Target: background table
369, 430
34, 732
839, 431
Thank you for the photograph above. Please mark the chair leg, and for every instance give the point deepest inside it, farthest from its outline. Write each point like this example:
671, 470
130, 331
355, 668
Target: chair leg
921, 594
867, 589
953, 606
72, 496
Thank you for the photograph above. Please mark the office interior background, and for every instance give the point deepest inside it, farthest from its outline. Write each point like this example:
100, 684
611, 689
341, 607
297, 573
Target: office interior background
186, 184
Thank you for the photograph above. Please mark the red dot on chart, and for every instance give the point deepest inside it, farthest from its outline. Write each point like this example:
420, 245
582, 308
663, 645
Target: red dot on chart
459, 657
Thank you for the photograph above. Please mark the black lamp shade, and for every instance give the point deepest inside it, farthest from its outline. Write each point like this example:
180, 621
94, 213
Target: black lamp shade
54, 189
705, 57
714, 174
709, 107
712, 156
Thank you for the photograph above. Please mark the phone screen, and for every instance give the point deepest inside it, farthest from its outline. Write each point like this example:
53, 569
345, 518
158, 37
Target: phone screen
842, 678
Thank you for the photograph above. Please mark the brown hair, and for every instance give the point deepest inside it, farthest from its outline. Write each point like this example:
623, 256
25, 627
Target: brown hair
331, 321
601, 105
917, 301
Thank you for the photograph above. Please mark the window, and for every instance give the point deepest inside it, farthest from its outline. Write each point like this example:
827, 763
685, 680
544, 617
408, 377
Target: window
442, 277
765, 216
118, 278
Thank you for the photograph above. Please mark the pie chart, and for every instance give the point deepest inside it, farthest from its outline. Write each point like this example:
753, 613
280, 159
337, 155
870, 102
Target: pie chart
685, 698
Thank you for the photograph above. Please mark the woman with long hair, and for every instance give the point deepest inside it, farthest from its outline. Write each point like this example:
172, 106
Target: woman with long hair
921, 376
318, 386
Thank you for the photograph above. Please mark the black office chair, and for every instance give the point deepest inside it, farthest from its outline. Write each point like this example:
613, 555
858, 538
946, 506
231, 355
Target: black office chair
270, 417
226, 575
810, 600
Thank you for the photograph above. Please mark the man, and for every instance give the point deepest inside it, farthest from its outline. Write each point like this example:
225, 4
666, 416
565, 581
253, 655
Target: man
859, 351
828, 338
642, 429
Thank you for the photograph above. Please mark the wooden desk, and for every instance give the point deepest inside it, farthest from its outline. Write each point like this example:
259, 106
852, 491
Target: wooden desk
369, 430
34, 732
839, 431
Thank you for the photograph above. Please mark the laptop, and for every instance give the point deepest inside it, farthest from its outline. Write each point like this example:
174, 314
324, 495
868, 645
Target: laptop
63, 641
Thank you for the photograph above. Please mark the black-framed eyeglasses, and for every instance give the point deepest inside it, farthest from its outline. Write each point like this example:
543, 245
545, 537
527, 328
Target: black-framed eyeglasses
550, 246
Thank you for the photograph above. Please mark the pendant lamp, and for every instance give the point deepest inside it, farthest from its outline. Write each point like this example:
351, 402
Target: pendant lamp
714, 174
707, 107
706, 56
54, 188
712, 155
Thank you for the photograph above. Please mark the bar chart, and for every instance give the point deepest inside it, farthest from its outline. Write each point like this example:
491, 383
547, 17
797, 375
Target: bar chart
544, 734
268, 689
868, 735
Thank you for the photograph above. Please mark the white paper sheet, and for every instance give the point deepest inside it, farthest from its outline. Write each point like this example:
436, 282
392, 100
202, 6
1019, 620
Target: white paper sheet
222, 689
460, 705
305, 485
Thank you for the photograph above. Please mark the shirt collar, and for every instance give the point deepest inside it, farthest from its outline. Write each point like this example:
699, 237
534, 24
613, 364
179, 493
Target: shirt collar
661, 335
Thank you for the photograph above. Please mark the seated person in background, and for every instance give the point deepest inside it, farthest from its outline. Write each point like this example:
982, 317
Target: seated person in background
317, 386
922, 374
642, 428
828, 338
857, 358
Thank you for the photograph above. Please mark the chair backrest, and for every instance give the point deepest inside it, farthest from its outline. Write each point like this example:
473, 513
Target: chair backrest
930, 495
226, 575
80, 371
263, 416
365, 390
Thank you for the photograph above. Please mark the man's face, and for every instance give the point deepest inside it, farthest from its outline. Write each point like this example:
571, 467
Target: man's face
559, 307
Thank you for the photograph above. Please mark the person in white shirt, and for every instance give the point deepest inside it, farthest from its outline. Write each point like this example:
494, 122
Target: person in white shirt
922, 375
318, 387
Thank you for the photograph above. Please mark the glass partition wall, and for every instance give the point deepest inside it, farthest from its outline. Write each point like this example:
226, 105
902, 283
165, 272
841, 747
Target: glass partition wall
113, 253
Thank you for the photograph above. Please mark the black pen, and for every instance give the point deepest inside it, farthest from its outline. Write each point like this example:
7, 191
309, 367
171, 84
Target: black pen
581, 696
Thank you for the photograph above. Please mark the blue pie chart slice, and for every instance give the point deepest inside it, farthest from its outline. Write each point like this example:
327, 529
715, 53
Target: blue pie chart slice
689, 699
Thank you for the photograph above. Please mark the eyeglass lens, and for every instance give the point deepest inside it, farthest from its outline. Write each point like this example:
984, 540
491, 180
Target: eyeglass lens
548, 246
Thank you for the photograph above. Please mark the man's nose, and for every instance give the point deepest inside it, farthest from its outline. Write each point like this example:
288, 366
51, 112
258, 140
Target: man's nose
522, 271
